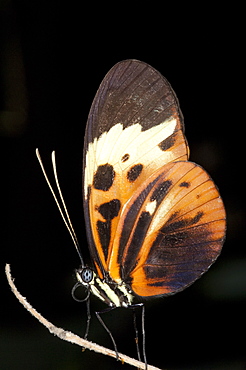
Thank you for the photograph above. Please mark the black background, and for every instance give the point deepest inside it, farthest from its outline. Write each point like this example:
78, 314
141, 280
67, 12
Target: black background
53, 57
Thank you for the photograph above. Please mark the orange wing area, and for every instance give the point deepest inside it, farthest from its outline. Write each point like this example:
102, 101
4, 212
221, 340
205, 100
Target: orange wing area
118, 163
170, 232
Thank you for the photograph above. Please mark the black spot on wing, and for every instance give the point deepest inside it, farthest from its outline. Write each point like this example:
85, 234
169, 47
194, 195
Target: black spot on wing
168, 142
185, 184
125, 157
110, 209
104, 177
134, 172
161, 191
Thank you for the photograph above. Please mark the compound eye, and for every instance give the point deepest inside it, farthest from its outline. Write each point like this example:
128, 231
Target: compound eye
87, 275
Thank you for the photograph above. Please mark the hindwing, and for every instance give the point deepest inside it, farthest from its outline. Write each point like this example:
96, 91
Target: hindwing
171, 231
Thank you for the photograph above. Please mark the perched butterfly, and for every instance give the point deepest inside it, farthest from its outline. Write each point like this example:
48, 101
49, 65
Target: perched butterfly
155, 221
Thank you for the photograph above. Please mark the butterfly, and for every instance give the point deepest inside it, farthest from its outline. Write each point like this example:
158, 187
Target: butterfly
155, 221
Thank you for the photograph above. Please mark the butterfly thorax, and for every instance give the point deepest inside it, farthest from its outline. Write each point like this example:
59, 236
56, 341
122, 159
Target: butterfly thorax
114, 294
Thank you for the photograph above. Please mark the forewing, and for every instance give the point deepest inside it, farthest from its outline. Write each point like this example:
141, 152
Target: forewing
134, 128
170, 232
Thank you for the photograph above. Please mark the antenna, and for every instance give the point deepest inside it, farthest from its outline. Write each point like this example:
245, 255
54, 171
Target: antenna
64, 211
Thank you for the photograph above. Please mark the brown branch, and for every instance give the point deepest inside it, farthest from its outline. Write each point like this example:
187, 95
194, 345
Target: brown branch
67, 335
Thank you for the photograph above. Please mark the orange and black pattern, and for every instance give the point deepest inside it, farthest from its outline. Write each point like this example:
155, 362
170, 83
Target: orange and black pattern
155, 221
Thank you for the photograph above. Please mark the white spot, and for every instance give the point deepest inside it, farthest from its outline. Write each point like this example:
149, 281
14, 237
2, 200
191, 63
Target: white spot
151, 207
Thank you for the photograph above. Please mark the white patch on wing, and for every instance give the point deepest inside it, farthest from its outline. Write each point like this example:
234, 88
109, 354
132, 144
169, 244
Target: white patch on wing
142, 146
161, 213
150, 207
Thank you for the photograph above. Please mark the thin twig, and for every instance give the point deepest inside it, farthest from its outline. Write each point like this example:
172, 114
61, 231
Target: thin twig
67, 335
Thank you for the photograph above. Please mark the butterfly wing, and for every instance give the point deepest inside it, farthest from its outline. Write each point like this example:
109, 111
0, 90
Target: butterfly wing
134, 127
171, 231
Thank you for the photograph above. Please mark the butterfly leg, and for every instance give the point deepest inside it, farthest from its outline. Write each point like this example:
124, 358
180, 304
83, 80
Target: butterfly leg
88, 318
87, 300
133, 307
107, 329
136, 332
